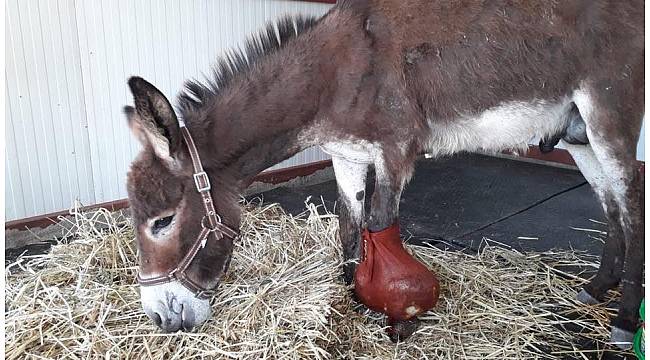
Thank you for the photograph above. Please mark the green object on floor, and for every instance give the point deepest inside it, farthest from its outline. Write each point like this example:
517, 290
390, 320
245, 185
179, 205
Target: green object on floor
639, 338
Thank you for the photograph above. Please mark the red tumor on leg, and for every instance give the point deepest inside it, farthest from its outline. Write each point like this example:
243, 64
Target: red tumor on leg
389, 280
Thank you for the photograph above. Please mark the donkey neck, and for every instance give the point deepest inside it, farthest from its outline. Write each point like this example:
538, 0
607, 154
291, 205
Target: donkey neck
283, 101
258, 120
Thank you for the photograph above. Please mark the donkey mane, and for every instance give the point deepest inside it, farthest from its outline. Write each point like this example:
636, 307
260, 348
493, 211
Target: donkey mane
236, 61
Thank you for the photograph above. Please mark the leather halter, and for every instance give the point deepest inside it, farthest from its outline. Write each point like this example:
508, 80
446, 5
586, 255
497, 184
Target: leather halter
213, 226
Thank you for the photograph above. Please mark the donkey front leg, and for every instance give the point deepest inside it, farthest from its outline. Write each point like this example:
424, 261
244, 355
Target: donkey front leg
351, 181
384, 212
384, 207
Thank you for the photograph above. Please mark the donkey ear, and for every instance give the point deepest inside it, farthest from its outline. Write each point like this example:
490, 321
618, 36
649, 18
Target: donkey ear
153, 121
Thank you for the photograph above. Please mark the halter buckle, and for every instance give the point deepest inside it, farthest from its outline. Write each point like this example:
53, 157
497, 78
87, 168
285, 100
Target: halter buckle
202, 178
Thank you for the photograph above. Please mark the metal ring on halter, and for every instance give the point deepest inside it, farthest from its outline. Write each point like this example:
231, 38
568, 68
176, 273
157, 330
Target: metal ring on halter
208, 227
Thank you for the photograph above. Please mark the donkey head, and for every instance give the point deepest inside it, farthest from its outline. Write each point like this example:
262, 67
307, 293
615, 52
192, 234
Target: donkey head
168, 213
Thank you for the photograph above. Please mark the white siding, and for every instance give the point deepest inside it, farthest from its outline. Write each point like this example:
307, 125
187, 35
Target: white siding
47, 158
67, 63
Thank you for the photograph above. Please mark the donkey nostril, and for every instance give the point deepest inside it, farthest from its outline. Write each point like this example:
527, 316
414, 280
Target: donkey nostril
187, 319
156, 319
175, 306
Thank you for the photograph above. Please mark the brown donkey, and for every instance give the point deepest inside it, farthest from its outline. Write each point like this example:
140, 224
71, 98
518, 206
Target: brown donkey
377, 83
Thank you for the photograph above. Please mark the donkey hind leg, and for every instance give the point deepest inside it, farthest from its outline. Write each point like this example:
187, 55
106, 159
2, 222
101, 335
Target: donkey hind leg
611, 265
351, 181
615, 149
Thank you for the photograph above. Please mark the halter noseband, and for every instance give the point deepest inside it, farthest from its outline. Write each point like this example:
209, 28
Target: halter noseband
214, 226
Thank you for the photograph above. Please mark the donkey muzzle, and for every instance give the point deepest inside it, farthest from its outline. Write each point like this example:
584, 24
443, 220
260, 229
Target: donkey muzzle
173, 307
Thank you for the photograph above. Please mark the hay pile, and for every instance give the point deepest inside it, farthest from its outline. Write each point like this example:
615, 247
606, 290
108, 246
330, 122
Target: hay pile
282, 298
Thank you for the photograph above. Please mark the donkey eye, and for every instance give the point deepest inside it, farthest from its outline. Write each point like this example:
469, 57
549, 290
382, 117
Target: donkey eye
161, 223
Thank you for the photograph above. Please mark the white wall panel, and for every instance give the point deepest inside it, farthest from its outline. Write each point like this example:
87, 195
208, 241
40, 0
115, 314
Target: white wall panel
14, 191
47, 143
67, 63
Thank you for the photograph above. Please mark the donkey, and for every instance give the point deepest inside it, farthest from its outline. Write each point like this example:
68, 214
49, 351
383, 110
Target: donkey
377, 83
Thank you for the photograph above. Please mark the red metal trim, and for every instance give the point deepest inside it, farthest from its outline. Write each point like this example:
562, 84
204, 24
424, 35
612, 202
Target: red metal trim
40, 221
560, 156
269, 177
286, 174
320, 1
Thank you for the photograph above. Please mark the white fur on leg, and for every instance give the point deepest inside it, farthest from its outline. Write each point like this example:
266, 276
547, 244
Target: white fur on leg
351, 179
623, 339
613, 170
589, 166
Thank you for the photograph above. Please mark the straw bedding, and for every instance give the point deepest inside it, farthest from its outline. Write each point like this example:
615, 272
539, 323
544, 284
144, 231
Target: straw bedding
283, 298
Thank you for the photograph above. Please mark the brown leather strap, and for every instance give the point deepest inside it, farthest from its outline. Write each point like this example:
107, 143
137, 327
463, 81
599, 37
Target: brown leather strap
201, 179
156, 280
214, 226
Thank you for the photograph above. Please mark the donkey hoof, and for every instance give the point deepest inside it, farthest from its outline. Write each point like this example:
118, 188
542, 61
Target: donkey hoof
348, 277
586, 298
623, 339
348, 273
399, 330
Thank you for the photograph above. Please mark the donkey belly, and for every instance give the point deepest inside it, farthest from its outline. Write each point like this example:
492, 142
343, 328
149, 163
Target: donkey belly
511, 125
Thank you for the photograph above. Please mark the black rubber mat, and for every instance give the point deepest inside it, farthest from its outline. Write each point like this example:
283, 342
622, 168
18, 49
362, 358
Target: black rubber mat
466, 198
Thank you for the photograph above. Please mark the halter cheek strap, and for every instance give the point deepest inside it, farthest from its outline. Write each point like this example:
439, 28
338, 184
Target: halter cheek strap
211, 224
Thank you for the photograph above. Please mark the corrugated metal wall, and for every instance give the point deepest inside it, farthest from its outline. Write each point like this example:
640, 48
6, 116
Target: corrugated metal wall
67, 63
